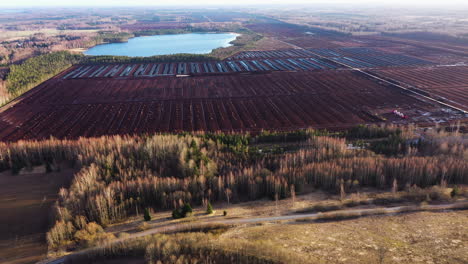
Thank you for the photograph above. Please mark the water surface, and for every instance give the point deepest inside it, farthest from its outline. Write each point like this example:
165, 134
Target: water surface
195, 43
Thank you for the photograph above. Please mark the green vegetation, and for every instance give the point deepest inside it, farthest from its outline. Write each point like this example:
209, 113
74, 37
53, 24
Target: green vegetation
168, 31
389, 140
368, 132
191, 29
456, 191
111, 37
391, 146
33, 71
147, 215
289, 136
182, 212
161, 58
209, 208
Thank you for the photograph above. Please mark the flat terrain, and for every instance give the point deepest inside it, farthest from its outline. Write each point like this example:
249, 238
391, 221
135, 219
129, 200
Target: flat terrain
25, 202
83, 107
448, 83
250, 91
424, 237
419, 237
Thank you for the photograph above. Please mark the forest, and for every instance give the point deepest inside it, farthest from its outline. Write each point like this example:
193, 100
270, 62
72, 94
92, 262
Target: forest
35, 70
121, 175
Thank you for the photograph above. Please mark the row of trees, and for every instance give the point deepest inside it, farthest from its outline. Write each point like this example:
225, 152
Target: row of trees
160, 58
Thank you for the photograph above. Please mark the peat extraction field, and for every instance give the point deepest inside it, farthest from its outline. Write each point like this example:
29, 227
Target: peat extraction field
448, 83
133, 99
326, 80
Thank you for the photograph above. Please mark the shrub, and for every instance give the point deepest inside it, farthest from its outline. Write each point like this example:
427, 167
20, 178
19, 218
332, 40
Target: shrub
456, 191
187, 210
182, 212
48, 167
209, 208
93, 234
147, 215
176, 213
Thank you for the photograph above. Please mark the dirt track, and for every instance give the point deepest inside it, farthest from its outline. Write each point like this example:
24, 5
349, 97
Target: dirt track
292, 217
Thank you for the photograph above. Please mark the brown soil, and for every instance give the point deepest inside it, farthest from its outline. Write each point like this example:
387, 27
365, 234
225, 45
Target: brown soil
25, 202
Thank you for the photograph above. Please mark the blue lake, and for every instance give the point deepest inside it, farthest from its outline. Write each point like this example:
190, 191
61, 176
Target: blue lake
195, 43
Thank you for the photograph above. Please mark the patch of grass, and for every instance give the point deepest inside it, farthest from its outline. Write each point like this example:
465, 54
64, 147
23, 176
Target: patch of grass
404, 238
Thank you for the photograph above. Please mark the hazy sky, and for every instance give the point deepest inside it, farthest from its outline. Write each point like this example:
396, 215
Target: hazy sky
29, 3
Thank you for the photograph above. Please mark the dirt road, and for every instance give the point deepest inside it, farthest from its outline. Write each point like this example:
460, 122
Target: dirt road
252, 220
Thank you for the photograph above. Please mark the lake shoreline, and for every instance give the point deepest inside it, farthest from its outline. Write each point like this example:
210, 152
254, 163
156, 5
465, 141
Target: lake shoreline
227, 42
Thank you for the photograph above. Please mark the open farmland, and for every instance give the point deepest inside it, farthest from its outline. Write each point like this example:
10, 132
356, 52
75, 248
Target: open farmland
70, 108
448, 84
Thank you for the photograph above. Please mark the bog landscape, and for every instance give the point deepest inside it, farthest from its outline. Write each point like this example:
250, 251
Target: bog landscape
315, 133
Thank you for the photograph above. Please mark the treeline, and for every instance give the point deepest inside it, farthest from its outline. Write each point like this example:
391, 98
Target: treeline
160, 58
111, 37
121, 176
164, 31
192, 29
33, 71
374, 131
